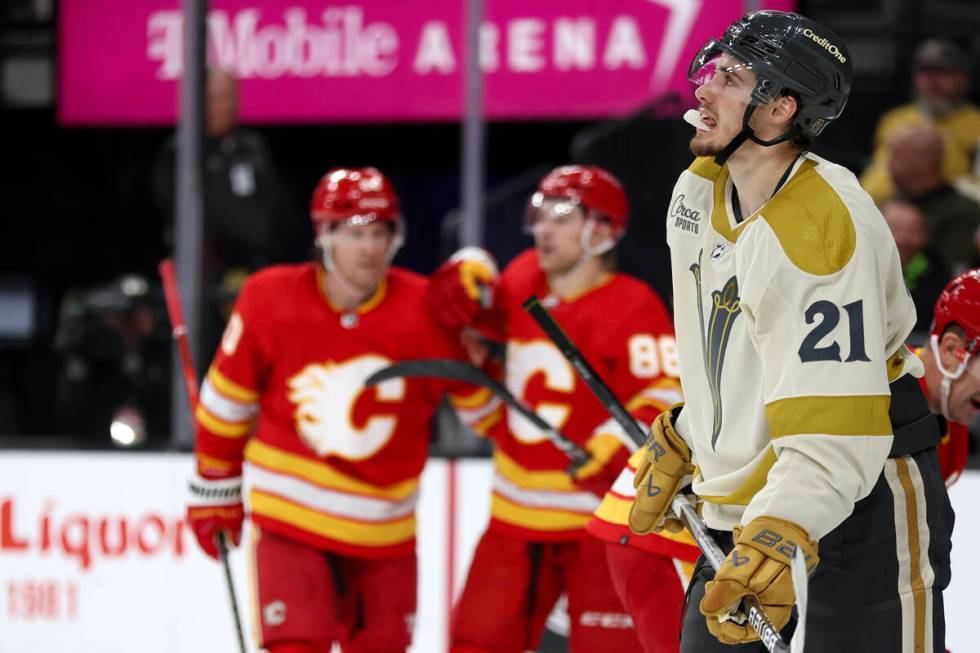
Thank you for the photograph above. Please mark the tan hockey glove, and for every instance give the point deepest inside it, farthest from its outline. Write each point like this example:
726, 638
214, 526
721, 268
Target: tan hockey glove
660, 476
759, 565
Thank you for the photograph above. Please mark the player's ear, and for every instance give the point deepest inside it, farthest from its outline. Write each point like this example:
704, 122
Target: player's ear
951, 350
601, 231
783, 109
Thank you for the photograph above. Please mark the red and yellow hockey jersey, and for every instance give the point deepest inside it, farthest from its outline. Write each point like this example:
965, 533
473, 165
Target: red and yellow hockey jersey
625, 332
610, 522
327, 461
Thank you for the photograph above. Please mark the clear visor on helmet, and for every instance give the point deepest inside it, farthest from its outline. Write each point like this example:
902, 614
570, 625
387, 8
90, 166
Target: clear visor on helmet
715, 64
713, 61
542, 208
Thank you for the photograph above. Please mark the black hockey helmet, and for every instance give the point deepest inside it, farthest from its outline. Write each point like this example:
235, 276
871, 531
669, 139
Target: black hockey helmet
788, 52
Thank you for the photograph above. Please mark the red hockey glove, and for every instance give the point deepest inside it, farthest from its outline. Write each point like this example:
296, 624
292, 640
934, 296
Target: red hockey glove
759, 565
461, 287
609, 456
215, 506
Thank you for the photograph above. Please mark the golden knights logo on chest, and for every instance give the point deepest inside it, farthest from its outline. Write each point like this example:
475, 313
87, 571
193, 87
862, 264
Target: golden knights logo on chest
715, 334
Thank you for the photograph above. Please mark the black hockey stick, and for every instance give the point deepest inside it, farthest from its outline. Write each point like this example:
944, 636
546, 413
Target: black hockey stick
758, 619
436, 368
589, 375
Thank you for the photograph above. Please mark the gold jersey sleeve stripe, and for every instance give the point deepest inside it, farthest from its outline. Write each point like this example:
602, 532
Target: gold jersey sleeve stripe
637, 403
473, 400
483, 426
843, 415
321, 474
210, 462
336, 528
220, 427
750, 486
531, 480
230, 389
538, 519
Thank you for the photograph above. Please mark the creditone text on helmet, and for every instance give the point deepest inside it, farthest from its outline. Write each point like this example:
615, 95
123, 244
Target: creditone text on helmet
825, 44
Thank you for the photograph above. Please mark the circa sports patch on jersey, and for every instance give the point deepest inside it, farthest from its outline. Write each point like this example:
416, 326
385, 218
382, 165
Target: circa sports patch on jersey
683, 216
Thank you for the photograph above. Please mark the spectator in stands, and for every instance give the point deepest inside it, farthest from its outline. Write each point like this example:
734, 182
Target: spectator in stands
915, 167
247, 221
115, 352
242, 196
941, 81
925, 273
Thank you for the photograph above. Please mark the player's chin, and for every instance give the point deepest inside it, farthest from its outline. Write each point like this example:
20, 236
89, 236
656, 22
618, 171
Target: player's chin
368, 279
702, 144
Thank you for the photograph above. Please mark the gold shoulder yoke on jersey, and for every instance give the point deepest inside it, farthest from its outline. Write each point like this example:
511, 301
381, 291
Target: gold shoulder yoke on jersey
812, 223
705, 167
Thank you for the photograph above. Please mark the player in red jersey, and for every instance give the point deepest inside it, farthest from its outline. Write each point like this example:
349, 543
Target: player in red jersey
536, 546
332, 467
952, 375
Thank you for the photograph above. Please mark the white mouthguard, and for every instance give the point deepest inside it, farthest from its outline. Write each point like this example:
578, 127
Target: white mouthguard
693, 117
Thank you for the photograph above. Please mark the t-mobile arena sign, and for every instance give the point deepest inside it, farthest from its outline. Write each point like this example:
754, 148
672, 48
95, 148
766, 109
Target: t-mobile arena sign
385, 60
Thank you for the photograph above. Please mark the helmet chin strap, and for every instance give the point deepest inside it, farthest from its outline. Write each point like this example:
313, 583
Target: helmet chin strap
948, 377
590, 251
747, 133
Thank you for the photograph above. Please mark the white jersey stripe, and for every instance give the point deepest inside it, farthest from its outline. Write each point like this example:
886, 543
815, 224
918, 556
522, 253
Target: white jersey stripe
624, 483
471, 416
225, 409
584, 502
681, 575
332, 502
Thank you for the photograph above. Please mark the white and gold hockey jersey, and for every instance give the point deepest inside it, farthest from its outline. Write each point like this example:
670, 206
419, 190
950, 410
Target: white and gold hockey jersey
790, 325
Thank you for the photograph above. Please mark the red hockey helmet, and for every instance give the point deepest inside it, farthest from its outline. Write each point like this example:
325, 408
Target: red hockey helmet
959, 304
359, 195
591, 187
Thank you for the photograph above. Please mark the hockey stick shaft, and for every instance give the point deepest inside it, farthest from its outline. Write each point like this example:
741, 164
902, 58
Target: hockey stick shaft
591, 378
171, 292
758, 619
459, 371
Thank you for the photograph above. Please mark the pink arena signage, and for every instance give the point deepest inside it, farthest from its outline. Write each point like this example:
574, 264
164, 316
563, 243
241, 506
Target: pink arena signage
384, 60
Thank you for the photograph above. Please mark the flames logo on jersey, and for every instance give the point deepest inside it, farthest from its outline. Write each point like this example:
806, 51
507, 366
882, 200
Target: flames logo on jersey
524, 361
325, 395
725, 307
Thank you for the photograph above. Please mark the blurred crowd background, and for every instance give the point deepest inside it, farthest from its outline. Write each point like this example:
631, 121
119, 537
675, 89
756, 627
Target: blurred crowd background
88, 211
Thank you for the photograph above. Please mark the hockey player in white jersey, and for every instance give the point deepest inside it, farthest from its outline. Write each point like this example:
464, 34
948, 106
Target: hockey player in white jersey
803, 425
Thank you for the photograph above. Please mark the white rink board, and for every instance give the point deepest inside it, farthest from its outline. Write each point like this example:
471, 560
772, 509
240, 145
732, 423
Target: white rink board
63, 591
